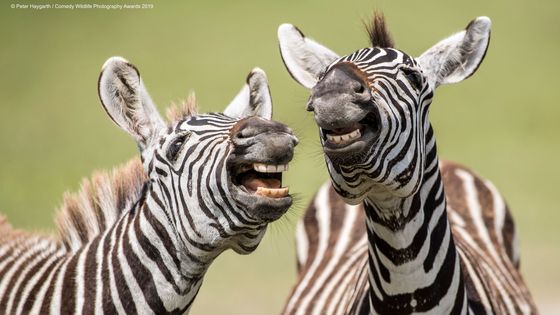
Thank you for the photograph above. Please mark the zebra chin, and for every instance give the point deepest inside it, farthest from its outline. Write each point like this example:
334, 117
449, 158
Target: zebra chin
351, 145
351, 142
260, 193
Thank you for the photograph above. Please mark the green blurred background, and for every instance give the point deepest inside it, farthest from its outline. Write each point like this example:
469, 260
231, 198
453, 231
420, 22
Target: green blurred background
503, 122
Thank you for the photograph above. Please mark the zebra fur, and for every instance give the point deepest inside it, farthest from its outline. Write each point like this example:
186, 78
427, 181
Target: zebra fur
139, 240
341, 290
435, 238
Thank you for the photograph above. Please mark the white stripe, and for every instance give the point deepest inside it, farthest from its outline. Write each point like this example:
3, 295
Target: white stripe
475, 280
110, 254
323, 219
471, 197
99, 256
302, 243
127, 272
79, 279
411, 276
57, 291
446, 303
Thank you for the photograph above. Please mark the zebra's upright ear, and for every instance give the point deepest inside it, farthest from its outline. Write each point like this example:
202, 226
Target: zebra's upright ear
457, 57
127, 102
304, 58
254, 98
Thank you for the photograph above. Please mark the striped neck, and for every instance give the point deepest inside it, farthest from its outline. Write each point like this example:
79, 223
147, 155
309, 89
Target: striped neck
168, 272
413, 262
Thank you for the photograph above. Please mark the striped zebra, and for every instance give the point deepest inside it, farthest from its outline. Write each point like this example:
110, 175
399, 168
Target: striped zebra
397, 231
139, 240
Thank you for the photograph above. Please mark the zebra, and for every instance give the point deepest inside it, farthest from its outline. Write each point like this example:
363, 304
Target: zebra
140, 239
437, 238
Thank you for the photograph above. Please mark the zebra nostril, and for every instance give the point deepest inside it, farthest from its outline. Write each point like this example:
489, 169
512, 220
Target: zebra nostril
246, 133
241, 135
309, 107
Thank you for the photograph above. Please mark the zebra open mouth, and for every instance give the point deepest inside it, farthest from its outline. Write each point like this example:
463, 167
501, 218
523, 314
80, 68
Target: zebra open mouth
262, 180
352, 137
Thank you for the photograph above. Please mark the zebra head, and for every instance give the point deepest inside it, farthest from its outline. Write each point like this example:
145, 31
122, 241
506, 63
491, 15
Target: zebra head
371, 105
217, 177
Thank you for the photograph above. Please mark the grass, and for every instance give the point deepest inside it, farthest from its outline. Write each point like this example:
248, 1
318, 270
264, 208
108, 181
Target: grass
502, 122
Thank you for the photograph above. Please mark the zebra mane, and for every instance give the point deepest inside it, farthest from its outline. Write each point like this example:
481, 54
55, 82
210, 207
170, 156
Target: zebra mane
378, 33
101, 200
99, 203
187, 108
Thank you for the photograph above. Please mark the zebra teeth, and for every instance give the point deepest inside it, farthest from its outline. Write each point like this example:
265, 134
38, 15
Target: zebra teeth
269, 168
339, 139
273, 192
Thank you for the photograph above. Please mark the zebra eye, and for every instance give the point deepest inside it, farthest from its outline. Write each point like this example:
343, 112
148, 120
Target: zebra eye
414, 77
175, 147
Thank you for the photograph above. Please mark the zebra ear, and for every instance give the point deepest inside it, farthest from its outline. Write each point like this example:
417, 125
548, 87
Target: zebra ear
457, 57
127, 102
254, 98
304, 58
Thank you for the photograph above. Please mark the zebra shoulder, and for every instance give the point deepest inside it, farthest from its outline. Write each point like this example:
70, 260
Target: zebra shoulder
328, 223
486, 241
475, 204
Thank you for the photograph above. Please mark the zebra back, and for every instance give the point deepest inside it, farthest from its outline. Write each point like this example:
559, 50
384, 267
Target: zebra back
331, 256
486, 241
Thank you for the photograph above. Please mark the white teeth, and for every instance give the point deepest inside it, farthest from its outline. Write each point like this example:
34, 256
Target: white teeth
273, 192
338, 139
267, 168
259, 167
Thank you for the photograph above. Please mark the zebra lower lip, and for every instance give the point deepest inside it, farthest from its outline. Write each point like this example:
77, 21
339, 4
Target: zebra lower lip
273, 192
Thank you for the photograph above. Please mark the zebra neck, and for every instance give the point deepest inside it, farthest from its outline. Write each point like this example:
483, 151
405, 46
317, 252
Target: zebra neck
164, 262
413, 263
190, 254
